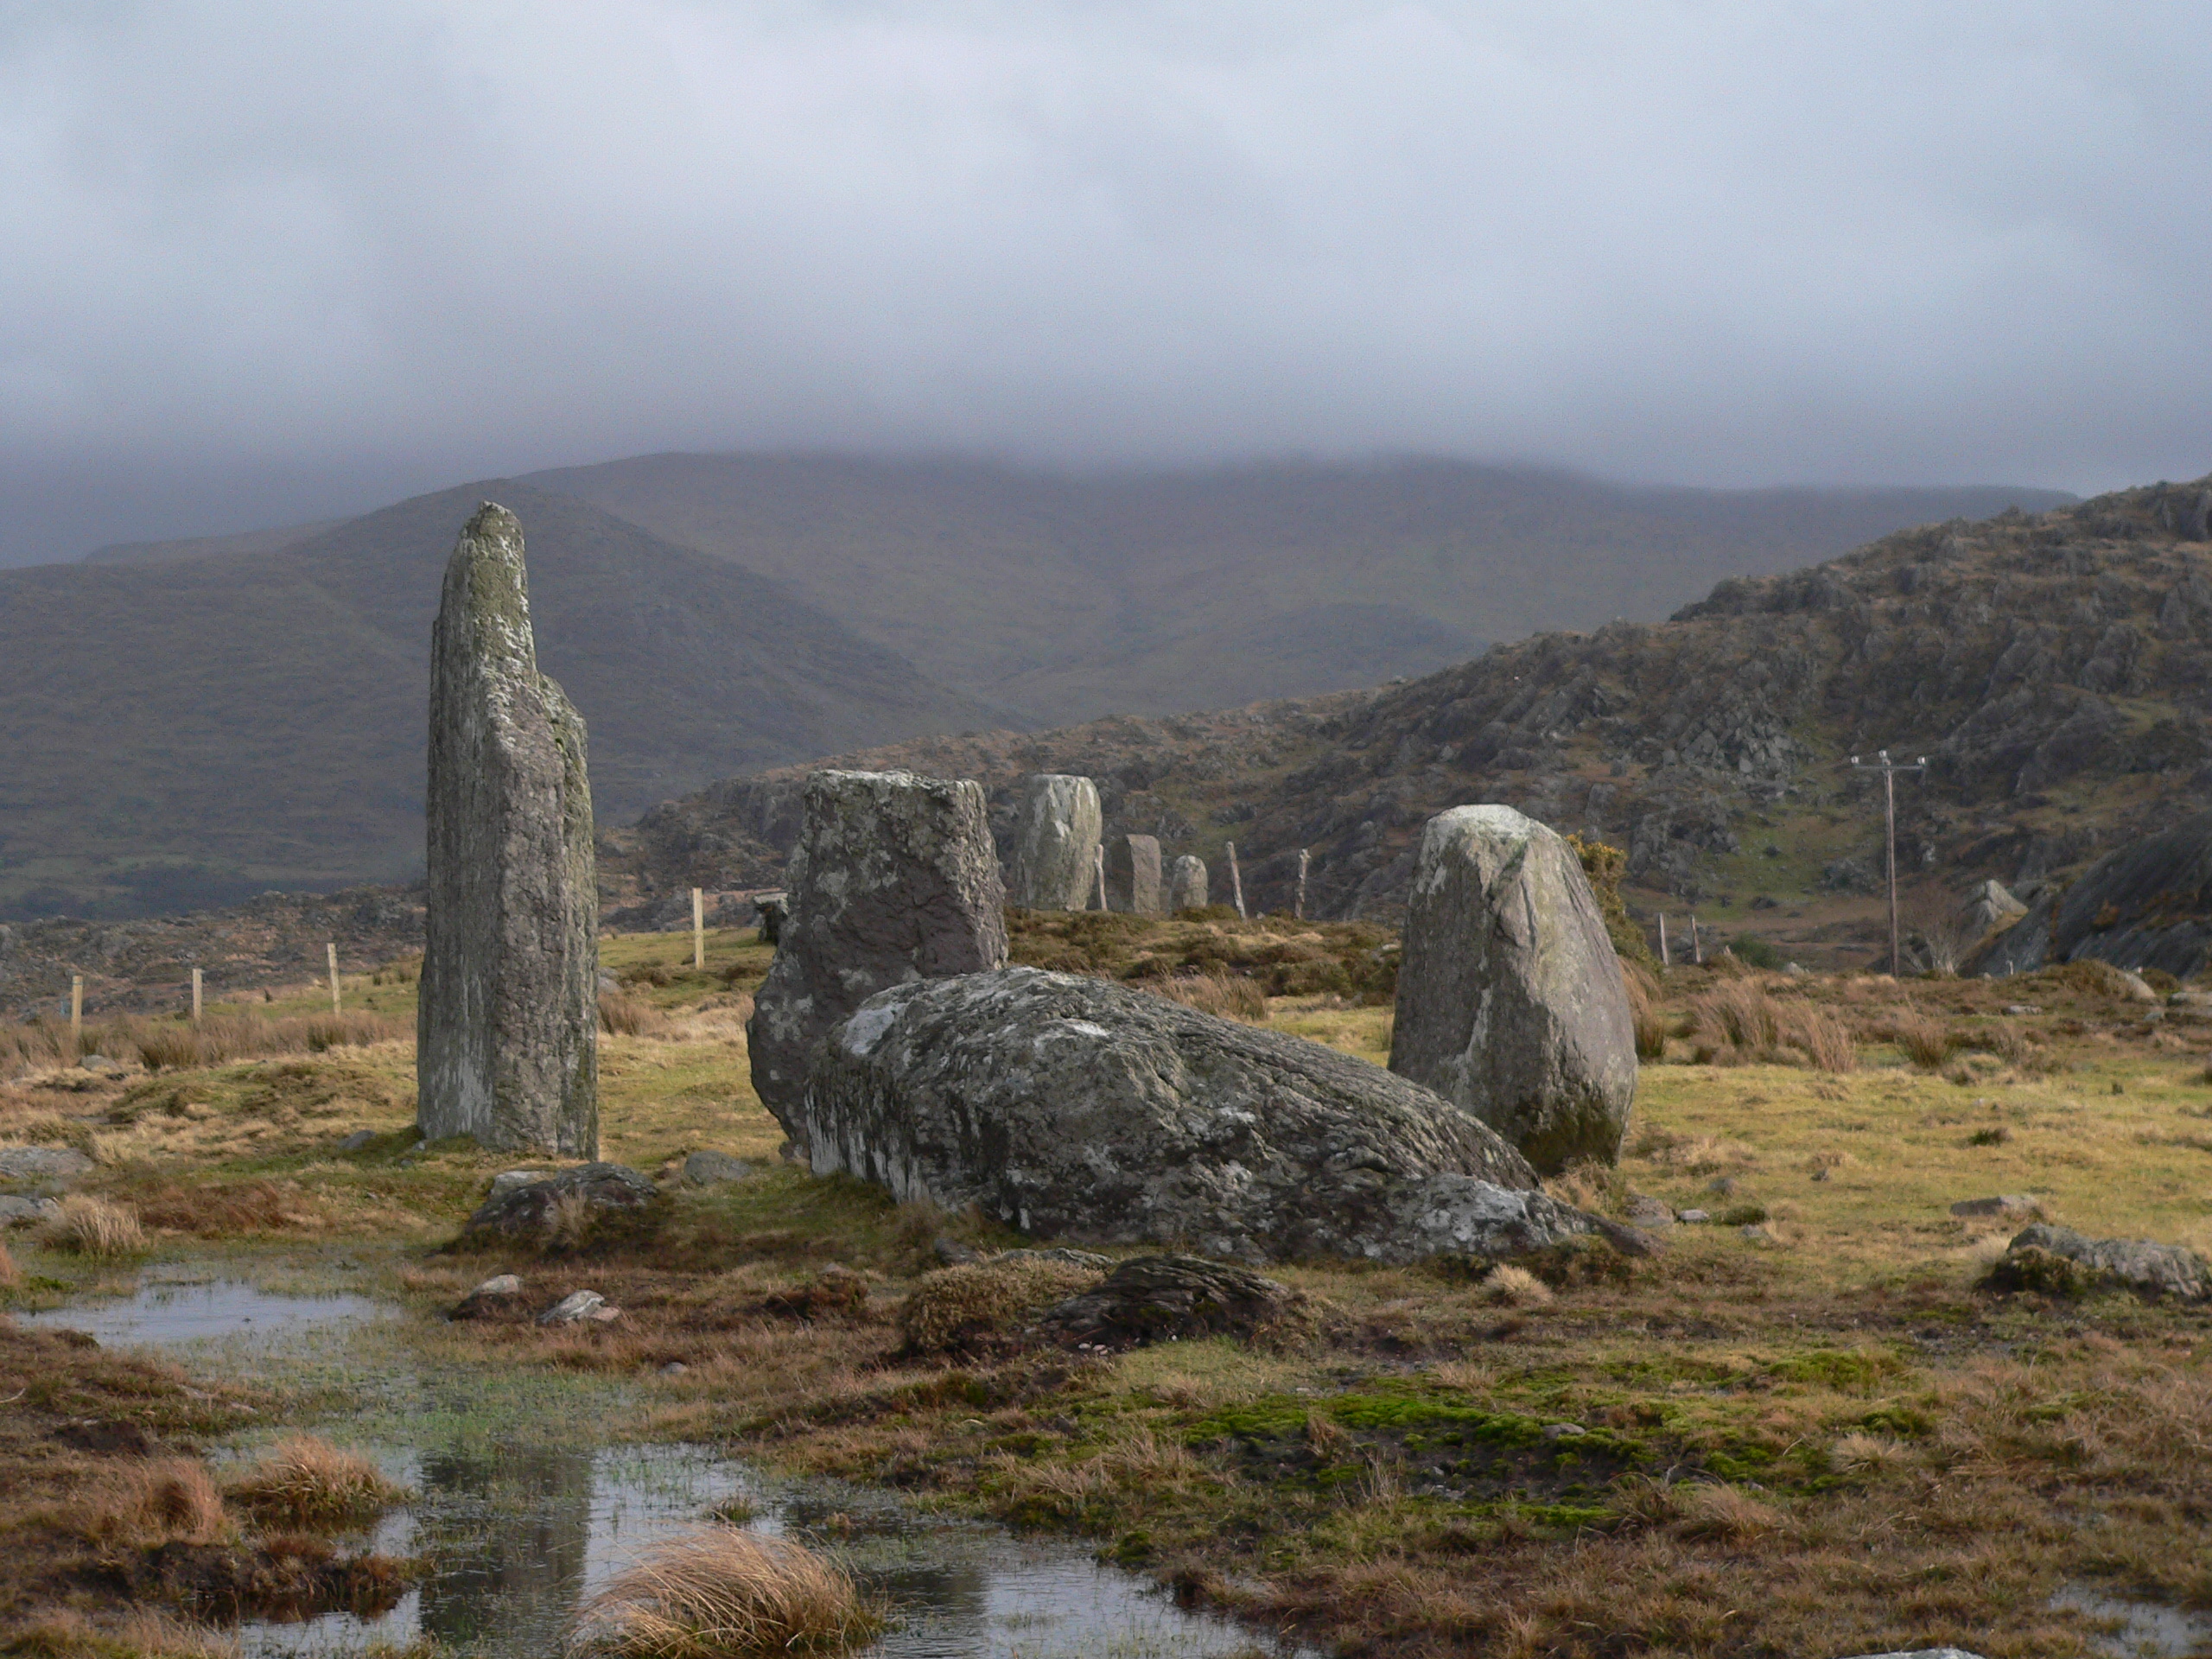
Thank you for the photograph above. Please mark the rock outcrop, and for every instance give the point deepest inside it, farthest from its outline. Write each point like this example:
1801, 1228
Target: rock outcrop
895, 879
1133, 883
1510, 1000
1080, 1109
1173, 1298
1187, 884
532, 1211
2146, 904
507, 1036
2059, 1261
1056, 843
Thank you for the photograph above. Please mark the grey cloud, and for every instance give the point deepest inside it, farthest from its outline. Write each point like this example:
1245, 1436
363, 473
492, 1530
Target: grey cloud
1711, 243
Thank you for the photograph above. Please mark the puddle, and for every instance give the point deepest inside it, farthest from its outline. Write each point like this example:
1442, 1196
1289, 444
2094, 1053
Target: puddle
519, 1524
2148, 1629
168, 1313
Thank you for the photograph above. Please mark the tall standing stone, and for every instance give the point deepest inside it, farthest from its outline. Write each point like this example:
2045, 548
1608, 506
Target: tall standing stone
895, 879
1056, 843
1133, 883
506, 1044
1510, 1000
1187, 884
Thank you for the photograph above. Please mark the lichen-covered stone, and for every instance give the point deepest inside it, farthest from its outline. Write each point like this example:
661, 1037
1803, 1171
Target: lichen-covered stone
1510, 1000
1082, 1110
1133, 884
895, 879
1187, 884
1056, 841
2059, 1260
507, 1036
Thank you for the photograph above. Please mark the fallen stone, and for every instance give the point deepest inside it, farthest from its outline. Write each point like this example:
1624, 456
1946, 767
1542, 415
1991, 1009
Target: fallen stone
1133, 883
529, 1210
2012, 1206
507, 1037
1645, 1210
507, 1180
1179, 1298
100, 1066
894, 880
1056, 841
1510, 1000
2059, 1261
16, 1211
707, 1167
577, 1304
42, 1163
1692, 1216
1187, 884
500, 1295
1082, 1110
356, 1140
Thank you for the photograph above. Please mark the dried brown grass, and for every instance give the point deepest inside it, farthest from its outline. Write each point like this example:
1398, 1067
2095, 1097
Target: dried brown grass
622, 1014
68, 1634
719, 1592
1228, 996
172, 1043
307, 1482
1650, 1023
978, 1303
1927, 1043
89, 1226
11, 1276
1507, 1286
161, 1501
1739, 1021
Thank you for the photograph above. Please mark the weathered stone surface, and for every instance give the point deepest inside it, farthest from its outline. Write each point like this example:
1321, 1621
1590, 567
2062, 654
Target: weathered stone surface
507, 1038
579, 1307
2146, 904
1133, 883
1989, 906
501, 1294
773, 910
1160, 1297
2008, 1206
1510, 1000
895, 879
1923, 1653
18, 1212
527, 1212
1187, 884
42, 1163
707, 1167
2032, 1262
1080, 1108
1056, 843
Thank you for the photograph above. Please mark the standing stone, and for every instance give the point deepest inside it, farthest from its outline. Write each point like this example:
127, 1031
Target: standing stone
895, 879
1133, 875
1510, 1000
1056, 843
507, 1046
1187, 884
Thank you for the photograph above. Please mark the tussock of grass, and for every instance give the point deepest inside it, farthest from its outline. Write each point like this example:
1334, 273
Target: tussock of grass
980, 1303
70, 1635
1508, 1286
91, 1226
1228, 996
721, 1592
145, 1504
622, 1014
11, 1276
1643, 1009
307, 1482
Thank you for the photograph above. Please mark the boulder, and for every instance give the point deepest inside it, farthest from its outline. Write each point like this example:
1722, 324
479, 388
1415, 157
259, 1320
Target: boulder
707, 1168
895, 879
528, 1210
1181, 1298
501, 1294
772, 910
2146, 904
507, 1038
1187, 884
2059, 1260
1084, 1110
2007, 1206
1056, 841
42, 1163
1510, 1000
580, 1307
1133, 884
1988, 908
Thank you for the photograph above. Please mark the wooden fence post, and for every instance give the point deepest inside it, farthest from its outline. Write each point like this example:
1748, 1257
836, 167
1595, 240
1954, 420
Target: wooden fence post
1236, 882
195, 996
76, 1013
698, 928
331, 949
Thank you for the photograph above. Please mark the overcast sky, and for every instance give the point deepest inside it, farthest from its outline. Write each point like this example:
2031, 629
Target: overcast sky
272, 262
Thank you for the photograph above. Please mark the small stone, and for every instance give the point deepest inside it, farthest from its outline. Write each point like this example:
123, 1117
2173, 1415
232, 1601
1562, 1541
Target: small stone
1693, 1216
2019, 1010
496, 1294
707, 1167
953, 1253
100, 1066
42, 1163
1645, 1210
503, 1284
1563, 1431
674, 1368
577, 1305
604, 1315
1187, 884
1723, 1185
1921, 1653
356, 1140
2012, 1206
508, 1180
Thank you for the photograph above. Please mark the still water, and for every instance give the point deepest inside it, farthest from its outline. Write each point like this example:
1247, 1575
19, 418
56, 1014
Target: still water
521, 1510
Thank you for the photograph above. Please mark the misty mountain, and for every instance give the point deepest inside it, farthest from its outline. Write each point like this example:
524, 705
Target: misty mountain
1064, 597
180, 730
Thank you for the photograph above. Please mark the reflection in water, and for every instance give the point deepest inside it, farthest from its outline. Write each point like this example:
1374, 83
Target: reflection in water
509, 1528
166, 1312
2144, 1630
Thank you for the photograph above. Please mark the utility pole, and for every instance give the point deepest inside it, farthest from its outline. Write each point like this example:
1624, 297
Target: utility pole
1889, 769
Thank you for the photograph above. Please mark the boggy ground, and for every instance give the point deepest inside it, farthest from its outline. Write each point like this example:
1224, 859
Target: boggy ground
1804, 1429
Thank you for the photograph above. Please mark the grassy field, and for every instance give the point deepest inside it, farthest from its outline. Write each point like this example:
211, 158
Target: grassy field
1803, 1428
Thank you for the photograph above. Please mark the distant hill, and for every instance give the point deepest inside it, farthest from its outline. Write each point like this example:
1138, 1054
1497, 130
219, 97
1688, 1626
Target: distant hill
183, 731
1066, 597
2056, 668
282, 539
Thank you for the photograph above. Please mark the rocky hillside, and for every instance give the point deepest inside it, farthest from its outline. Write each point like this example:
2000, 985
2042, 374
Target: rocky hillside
2056, 668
